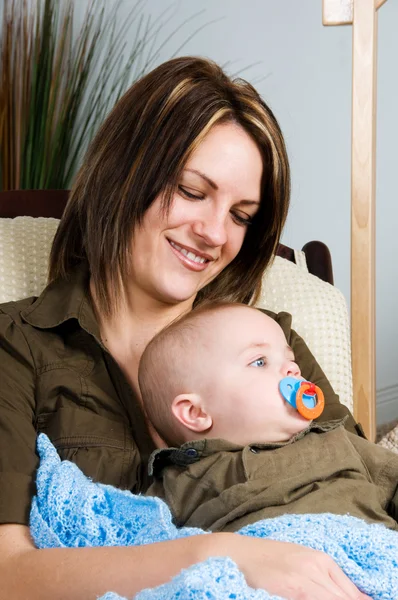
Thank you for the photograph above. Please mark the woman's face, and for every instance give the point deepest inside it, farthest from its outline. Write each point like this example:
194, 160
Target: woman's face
175, 255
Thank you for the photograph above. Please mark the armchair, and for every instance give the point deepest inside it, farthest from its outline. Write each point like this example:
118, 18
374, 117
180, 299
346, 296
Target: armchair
298, 281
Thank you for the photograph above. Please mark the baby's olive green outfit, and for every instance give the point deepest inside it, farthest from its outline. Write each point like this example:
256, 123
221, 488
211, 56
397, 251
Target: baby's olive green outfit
222, 486
57, 377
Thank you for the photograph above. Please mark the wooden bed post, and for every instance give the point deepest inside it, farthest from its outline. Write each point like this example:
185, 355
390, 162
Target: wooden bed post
363, 17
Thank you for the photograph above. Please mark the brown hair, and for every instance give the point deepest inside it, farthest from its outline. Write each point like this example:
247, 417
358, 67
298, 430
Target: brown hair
140, 152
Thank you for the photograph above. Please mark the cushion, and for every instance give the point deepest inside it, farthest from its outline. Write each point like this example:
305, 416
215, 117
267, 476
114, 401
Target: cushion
319, 310
319, 315
25, 244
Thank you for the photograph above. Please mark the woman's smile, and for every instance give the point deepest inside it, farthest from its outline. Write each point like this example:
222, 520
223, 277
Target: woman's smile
205, 224
191, 258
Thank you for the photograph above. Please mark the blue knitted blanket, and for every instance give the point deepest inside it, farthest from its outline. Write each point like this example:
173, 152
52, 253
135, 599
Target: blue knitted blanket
72, 511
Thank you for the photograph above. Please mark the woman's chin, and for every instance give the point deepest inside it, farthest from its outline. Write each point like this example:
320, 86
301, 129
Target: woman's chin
173, 298
176, 294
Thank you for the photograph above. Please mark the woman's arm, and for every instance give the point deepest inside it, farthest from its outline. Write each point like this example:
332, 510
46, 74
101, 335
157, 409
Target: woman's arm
288, 570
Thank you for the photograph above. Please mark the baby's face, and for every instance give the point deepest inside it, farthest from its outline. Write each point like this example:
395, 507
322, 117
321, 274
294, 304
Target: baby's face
244, 357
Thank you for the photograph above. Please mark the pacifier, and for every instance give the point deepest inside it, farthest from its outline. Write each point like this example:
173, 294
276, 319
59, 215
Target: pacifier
306, 397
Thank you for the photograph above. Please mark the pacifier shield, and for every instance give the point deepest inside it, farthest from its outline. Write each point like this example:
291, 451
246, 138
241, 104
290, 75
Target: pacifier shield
304, 396
288, 387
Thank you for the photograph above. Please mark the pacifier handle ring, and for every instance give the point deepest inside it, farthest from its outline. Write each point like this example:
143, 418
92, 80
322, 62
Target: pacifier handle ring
310, 413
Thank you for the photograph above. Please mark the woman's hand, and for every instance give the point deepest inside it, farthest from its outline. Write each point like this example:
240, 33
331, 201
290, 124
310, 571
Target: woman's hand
288, 570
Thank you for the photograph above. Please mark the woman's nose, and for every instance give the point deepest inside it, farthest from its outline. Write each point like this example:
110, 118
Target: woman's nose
212, 228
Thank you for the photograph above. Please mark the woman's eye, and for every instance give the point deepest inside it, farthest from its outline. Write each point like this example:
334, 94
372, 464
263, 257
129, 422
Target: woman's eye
259, 362
189, 194
242, 220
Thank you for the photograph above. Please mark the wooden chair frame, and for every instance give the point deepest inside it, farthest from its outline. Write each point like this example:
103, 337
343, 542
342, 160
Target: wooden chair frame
362, 15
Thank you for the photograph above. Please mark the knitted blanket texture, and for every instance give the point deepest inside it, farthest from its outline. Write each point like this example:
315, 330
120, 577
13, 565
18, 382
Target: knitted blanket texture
72, 511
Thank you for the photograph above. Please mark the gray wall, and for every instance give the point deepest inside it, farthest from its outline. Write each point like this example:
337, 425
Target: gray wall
304, 73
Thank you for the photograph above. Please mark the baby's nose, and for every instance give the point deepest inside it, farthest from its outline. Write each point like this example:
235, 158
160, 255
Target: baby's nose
292, 370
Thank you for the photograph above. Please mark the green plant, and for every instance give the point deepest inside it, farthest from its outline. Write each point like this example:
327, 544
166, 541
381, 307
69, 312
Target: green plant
57, 85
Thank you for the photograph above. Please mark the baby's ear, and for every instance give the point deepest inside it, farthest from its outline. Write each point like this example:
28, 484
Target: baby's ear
188, 410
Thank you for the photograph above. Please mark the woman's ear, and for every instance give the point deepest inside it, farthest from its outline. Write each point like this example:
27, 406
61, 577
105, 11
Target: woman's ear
189, 411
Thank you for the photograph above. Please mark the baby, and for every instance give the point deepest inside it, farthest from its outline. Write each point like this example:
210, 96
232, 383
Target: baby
240, 452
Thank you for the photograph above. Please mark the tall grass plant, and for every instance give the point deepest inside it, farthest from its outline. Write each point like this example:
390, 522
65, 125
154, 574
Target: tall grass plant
58, 81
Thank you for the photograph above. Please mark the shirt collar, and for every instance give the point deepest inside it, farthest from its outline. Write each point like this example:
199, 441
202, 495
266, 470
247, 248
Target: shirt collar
188, 453
314, 426
65, 299
191, 452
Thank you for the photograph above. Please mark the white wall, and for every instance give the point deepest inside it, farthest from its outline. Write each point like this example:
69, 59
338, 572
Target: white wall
305, 76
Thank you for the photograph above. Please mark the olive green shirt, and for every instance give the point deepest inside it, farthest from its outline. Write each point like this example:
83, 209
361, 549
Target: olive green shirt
56, 377
221, 486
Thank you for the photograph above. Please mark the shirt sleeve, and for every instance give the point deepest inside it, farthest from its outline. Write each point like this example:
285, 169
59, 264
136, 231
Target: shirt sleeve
311, 370
18, 458
382, 465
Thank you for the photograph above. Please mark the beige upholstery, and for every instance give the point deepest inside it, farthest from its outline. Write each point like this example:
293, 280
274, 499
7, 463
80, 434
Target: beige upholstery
24, 249
319, 309
319, 314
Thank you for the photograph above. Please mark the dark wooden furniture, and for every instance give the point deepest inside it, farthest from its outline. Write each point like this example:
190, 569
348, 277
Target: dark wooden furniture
51, 203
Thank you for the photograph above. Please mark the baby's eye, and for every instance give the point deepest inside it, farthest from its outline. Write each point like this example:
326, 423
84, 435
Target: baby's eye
259, 362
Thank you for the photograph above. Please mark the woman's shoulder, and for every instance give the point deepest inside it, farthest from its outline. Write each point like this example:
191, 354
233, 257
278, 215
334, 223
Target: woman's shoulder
56, 379
284, 319
61, 298
14, 308
15, 334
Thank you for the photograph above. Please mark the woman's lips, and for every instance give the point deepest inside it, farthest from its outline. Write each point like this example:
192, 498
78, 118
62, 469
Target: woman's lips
187, 257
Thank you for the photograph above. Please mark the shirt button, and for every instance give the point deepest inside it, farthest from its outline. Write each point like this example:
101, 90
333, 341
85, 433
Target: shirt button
191, 452
254, 450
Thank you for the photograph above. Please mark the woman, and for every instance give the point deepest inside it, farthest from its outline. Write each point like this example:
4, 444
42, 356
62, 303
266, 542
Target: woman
182, 197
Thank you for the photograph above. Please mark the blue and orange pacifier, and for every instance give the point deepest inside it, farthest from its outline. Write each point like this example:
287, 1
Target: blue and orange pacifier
304, 396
